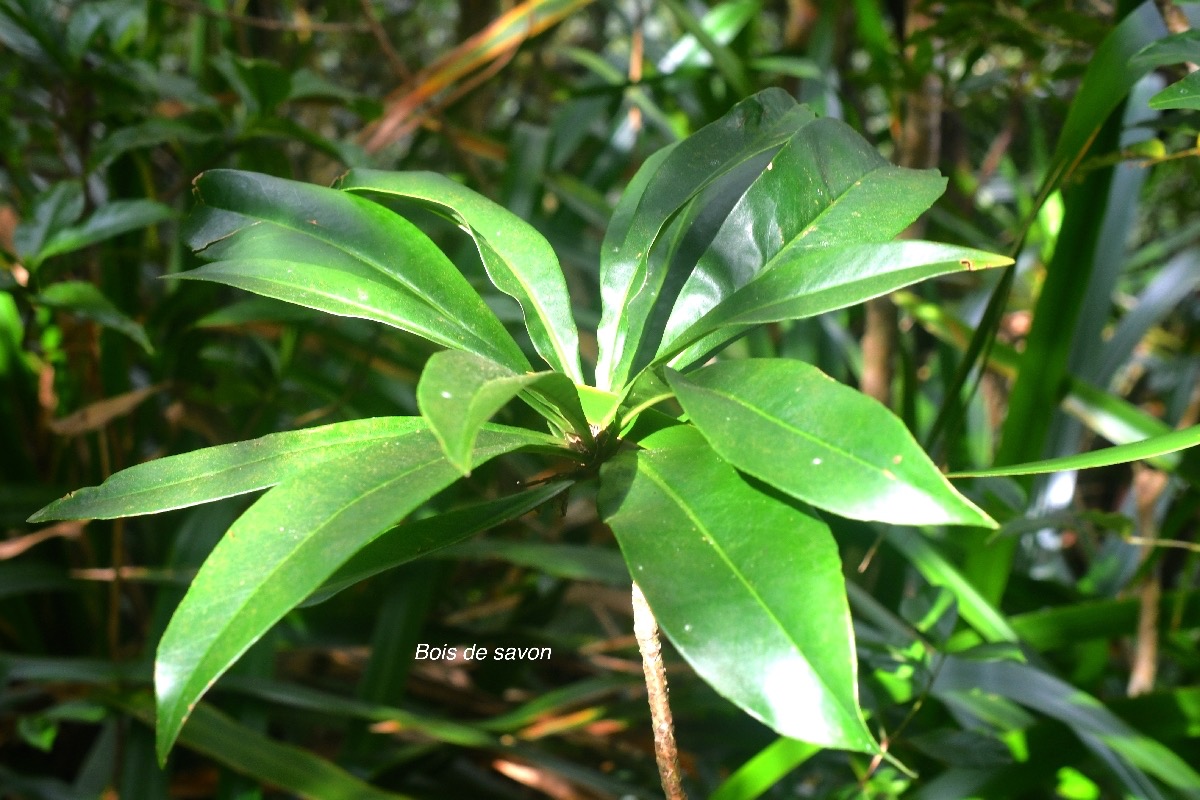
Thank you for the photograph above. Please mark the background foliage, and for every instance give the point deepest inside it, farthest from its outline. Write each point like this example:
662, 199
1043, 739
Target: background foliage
111, 108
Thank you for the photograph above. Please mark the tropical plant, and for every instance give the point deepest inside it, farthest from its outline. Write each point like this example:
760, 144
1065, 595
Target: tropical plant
713, 474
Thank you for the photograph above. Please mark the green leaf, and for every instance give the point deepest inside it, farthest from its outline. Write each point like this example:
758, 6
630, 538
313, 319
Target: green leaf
1181, 94
285, 546
87, 301
420, 537
53, 210
768, 767
630, 280
1174, 49
518, 259
292, 769
459, 392
112, 219
1121, 454
569, 561
308, 220
851, 195
789, 424
722, 565
804, 283
224, 471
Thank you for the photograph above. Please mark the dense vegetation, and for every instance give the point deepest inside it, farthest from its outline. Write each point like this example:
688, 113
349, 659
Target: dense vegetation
1051, 652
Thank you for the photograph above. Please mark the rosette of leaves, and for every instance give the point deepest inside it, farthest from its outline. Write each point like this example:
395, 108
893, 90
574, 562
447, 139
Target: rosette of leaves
712, 473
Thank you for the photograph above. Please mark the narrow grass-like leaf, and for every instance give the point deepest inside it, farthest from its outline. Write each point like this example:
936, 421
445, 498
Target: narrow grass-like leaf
285, 546
282, 766
459, 392
518, 259
423, 536
789, 424
722, 565
630, 280
768, 767
572, 562
1121, 454
805, 283
224, 471
370, 235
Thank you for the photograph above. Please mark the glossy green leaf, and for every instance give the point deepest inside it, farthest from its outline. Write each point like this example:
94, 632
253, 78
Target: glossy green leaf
827, 187
1121, 454
722, 565
768, 767
363, 233
804, 283
630, 280
789, 424
568, 561
518, 259
295, 537
224, 471
292, 769
84, 299
1181, 94
420, 537
111, 219
459, 392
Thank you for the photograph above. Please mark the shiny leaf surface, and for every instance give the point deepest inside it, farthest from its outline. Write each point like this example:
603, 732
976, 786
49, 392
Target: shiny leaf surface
295, 537
748, 588
224, 471
375, 240
517, 258
789, 424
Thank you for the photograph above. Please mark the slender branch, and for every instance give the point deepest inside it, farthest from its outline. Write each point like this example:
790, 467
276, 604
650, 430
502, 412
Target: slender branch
645, 629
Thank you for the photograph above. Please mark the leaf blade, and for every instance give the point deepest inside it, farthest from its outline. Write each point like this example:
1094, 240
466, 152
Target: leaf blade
787, 423
329, 512
518, 259
707, 549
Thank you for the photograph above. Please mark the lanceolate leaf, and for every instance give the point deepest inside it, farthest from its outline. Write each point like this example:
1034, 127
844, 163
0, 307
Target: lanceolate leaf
789, 424
286, 545
1182, 94
804, 283
111, 219
748, 588
362, 232
1121, 454
416, 538
518, 259
827, 187
459, 392
225, 471
630, 280
89, 302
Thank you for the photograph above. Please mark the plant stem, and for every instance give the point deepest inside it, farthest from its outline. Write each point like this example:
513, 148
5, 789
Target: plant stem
645, 629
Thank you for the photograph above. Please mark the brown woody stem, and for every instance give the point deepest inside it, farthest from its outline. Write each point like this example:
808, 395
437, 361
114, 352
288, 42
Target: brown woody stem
645, 629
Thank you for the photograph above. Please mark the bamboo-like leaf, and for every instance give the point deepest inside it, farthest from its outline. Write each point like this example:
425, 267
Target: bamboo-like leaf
517, 258
111, 219
722, 565
283, 766
363, 234
789, 424
213, 473
459, 392
286, 545
809, 282
630, 279
1121, 454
